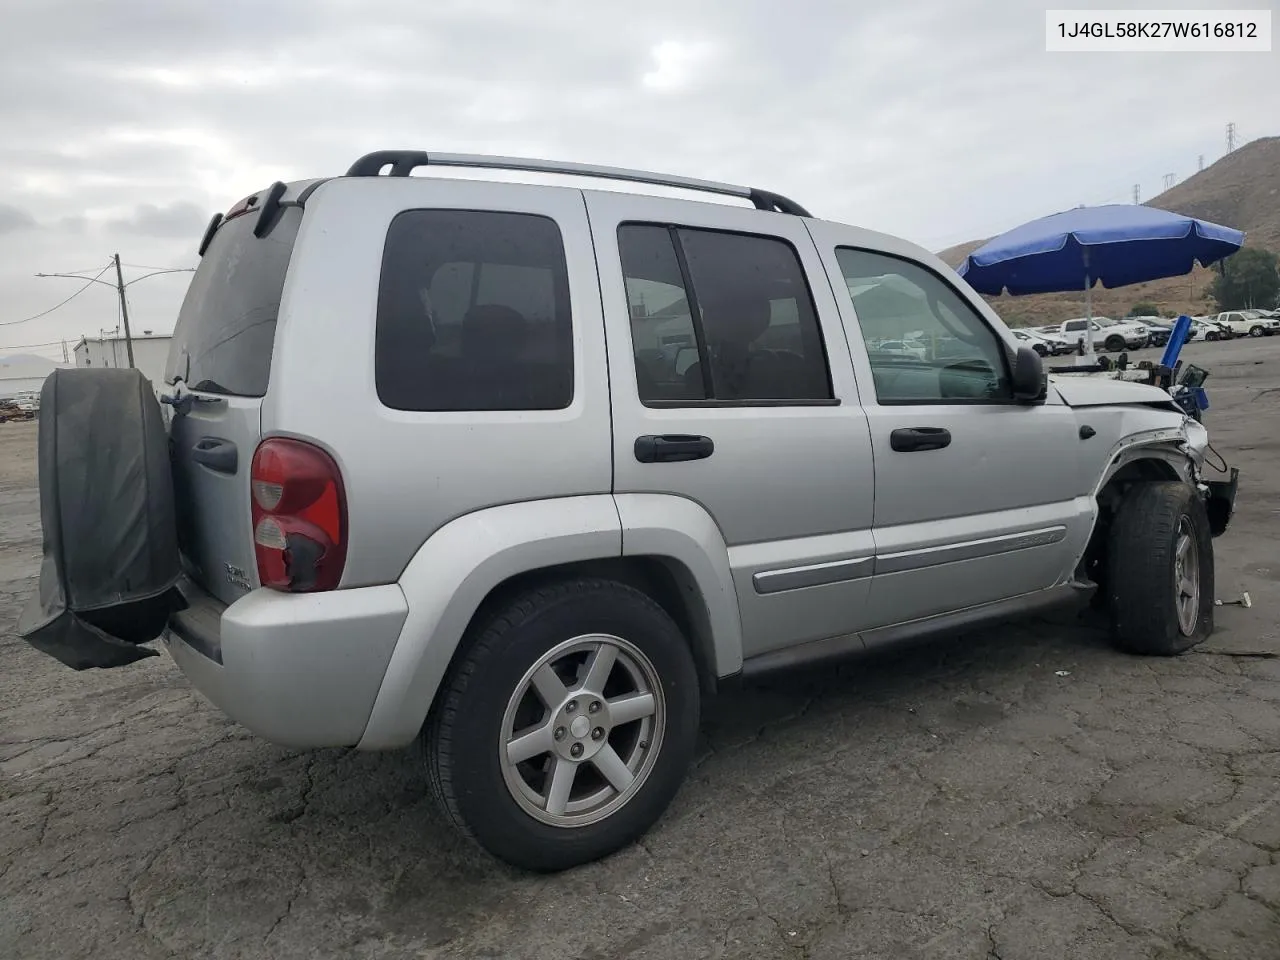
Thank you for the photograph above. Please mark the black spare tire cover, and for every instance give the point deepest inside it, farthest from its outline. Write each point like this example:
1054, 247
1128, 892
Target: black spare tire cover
111, 564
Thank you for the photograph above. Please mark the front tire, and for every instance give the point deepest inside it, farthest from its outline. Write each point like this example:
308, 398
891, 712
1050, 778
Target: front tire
1114, 344
566, 725
1211, 336
1256, 331
1160, 573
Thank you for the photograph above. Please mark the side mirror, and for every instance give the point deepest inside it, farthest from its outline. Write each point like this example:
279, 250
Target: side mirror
1030, 384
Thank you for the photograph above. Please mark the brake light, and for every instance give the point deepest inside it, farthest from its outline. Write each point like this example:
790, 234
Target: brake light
299, 516
241, 207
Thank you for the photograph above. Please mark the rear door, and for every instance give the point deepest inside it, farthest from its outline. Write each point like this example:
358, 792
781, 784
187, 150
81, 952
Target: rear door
978, 498
221, 359
723, 331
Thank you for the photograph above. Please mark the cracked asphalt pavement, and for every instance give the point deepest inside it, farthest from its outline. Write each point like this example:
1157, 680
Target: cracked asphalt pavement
1020, 792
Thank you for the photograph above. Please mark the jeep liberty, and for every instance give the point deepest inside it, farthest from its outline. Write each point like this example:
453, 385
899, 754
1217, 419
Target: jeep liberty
519, 473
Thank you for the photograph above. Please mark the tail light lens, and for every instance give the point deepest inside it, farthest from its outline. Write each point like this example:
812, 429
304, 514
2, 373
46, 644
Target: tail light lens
299, 516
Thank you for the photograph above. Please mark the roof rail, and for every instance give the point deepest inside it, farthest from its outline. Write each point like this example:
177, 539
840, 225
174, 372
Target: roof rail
404, 162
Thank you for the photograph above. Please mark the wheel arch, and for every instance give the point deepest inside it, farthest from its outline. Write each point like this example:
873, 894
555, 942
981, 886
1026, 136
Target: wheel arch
1140, 463
473, 564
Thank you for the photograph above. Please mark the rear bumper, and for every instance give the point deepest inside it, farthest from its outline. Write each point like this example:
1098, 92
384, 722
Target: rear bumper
302, 670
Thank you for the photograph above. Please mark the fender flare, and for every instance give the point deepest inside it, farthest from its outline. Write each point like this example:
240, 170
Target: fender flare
1154, 444
681, 530
1157, 444
450, 576
465, 560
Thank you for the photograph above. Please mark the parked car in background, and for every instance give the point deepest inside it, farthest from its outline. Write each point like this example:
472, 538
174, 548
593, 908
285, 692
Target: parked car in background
903, 348
1123, 334
1106, 333
1042, 344
1248, 323
1214, 326
1202, 329
1158, 329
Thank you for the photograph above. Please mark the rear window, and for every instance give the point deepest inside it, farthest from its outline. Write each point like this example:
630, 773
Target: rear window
226, 329
473, 313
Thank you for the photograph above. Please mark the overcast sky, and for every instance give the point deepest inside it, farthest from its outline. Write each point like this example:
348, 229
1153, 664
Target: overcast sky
124, 125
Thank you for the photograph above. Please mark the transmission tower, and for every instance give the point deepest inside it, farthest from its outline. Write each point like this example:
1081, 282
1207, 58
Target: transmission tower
1231, 137
1137, 193
1200, 164
1168, 180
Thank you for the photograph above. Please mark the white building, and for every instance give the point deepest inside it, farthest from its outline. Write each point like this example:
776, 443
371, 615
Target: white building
24, 373
150, 354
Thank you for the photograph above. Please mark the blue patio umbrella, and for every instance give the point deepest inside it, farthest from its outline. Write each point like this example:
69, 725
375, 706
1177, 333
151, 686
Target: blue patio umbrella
1115, 244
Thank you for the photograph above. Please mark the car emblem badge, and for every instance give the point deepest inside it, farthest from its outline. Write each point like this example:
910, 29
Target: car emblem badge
237, 576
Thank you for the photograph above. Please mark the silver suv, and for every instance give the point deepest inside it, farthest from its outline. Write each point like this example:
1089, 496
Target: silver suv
519, 473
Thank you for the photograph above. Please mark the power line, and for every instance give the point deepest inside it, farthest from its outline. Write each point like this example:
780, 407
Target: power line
45, 313
29, 346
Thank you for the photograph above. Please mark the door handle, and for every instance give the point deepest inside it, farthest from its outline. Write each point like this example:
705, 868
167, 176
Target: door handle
912, 439
219, 455
673, 447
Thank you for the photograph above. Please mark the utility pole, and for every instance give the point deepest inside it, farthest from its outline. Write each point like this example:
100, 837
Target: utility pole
1137, 193
1200, 164
124, 309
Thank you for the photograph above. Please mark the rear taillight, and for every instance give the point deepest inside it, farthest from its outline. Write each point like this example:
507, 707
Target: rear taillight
299, 516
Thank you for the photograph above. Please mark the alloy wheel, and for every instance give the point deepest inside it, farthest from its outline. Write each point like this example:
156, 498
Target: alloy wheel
582, 730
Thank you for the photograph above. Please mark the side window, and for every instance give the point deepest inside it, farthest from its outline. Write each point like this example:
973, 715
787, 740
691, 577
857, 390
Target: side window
720, 316
473, 313
942, 350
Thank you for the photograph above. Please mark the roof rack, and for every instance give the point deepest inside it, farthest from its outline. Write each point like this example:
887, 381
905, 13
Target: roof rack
404, 162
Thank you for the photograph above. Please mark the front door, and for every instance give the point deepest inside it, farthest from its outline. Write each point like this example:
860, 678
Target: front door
733, 389
978, 498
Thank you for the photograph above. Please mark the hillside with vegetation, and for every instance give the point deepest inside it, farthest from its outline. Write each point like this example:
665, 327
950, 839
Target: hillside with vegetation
1241, 190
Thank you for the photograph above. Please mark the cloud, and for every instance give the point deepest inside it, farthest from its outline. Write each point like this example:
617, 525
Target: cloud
13, 219
938, 122
181, 219
676, 63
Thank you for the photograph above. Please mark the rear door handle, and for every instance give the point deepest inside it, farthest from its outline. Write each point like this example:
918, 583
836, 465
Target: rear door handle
912, 439
672, 447
219, 455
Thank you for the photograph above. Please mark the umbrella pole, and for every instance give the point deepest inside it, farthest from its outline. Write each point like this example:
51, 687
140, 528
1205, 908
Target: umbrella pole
1088, 311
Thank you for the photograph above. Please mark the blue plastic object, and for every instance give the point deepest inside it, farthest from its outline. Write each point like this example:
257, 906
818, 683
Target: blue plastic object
1177, 340
1115, 244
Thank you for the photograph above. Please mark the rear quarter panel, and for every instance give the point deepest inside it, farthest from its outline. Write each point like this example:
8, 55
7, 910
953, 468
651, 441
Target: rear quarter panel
406, 473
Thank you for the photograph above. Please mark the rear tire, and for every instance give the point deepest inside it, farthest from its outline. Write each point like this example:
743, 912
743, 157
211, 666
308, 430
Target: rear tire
1160, 577
528, 670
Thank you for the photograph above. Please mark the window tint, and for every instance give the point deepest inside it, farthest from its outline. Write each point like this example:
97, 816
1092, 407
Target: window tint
755, 336
955, 356
473, 313
226, 329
